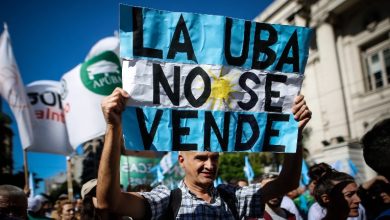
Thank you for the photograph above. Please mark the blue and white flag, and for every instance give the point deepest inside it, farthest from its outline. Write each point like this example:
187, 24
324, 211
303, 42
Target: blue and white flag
305, 179
217, 181
353, 170
209, 83
249, 174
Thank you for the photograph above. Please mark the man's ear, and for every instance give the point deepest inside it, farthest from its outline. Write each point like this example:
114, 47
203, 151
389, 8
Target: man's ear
325, 198
181, 160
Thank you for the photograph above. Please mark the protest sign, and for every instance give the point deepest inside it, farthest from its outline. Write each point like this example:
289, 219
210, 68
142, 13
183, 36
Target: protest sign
209, 83
136, 170
48, 119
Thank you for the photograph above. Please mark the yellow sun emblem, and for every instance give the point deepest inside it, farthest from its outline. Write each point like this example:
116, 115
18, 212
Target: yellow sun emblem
221, 90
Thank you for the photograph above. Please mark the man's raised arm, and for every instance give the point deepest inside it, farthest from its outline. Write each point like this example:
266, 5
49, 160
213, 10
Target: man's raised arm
291, 171
109, 195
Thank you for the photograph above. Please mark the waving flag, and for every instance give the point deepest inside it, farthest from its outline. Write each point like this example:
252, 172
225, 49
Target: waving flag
84, 87
353, 170
249, 174
48, 118
305, 179
13, 91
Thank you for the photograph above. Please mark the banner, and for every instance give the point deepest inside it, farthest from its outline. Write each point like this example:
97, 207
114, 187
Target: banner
209, 83
13, 91
84, 87
136, 170
48, 119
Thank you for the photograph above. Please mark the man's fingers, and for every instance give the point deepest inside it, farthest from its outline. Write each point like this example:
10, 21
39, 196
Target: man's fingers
298, 105
306, 114
298, 99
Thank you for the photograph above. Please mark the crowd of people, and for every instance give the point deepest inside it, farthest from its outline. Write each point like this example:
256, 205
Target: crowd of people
330, 195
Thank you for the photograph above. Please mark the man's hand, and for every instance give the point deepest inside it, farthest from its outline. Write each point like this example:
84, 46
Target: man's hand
113, 106
301, 112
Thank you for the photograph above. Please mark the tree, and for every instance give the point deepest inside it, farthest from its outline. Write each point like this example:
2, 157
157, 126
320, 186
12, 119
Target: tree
231, 165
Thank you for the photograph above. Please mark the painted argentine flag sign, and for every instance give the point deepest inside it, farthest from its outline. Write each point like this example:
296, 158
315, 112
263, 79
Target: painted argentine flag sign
209, 83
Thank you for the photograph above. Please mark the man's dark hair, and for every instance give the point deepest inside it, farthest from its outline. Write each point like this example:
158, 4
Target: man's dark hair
376, 147
318, 170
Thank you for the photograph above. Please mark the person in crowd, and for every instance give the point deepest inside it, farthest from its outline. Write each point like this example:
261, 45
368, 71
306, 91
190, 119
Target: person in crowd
66, 210
303, 200
376, 152
54, 213
47, 205
142, 188
196, 196
88, 195
273, 209
242, 183
375, 195
78, 206
89, 211
316, 211
13, 203
35, 209
336, 192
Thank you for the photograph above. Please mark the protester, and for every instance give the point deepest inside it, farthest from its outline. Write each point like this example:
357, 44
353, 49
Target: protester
46, 205
66, 210
88, 195
198, 196
376, 152
375, 195
13, 203
273, 209
89, 211
337, 193
316, 211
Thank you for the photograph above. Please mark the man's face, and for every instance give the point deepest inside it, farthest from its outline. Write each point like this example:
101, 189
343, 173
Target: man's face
14, 206
353, 200
200, 167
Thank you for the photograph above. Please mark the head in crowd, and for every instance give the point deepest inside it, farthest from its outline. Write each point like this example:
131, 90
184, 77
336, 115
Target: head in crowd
201, 168
337, 192
66, 210
376, 148
46, 204
13, 202
142, 188
88, 194
242, 183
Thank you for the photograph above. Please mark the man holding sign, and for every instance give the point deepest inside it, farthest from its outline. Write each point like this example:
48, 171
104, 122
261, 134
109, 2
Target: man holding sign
201, 84
199, 198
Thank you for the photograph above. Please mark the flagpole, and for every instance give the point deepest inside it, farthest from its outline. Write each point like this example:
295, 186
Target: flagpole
26, 180
69, 177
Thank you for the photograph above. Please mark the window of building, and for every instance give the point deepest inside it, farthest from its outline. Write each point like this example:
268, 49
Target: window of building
377, 61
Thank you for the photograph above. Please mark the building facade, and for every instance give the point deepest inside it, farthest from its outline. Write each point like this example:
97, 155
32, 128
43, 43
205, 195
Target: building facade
347, 77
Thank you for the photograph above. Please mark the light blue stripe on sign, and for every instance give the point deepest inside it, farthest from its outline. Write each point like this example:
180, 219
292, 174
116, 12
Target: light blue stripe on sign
207, 36
164, 137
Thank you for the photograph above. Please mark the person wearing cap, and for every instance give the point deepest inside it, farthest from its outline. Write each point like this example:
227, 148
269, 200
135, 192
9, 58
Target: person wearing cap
36, 210
89, 211
199, 199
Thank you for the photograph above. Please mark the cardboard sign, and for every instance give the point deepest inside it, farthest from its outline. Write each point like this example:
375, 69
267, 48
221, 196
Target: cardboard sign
209, 83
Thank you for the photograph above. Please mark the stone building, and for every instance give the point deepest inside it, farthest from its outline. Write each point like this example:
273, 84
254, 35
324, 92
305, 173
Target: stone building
347, 77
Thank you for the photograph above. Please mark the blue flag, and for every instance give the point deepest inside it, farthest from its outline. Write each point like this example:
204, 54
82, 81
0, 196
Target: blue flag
249, 174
